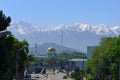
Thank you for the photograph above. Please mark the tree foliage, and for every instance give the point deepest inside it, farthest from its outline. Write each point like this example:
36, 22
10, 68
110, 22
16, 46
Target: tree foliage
4, 21
76, 74
31, 60
9, 46
8, 50
105, 59
6, 46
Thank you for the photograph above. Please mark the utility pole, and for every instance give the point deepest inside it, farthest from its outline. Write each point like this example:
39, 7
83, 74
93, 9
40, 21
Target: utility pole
62, 36
119, 70
18, 75
17, 70
97, 69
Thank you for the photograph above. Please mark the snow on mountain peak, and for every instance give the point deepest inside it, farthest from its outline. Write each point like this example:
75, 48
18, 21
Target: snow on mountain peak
27, 28
115, 29
21, 30
84, 27
102, 29
58, 28
23, 27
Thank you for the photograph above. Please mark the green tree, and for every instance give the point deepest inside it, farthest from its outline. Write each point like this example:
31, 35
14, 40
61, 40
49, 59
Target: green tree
21, 53
8, 49
4, 21
105, 59
31, 60
6, 57
77, 74
6, 46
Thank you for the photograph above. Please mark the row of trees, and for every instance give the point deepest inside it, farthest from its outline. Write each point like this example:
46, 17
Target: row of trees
105, 60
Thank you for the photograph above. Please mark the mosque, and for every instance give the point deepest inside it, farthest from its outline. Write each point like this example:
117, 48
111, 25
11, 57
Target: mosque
51, 52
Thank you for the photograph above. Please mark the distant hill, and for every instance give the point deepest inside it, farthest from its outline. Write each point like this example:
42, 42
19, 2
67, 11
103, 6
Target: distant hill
42, 49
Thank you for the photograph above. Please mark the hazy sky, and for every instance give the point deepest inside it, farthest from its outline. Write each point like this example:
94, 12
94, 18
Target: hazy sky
57, 12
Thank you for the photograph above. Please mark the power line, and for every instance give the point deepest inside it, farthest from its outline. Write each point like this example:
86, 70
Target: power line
61, 37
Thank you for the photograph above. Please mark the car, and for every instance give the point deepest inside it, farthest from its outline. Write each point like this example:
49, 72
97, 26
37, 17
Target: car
64, 77
36, 76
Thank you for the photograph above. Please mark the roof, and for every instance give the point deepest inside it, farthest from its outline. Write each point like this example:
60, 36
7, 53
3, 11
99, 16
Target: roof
78, 60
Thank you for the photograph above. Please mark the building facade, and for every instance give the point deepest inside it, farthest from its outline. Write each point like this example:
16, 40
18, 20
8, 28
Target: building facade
90, 50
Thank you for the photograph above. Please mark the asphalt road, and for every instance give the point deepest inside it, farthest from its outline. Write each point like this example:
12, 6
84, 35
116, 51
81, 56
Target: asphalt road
51, 76
58, 76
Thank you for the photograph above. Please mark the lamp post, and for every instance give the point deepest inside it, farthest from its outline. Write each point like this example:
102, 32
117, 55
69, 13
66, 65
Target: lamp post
17, 65
4, 33
119, 70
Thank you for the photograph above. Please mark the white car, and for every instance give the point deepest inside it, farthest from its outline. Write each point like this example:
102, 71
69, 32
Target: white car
36, 76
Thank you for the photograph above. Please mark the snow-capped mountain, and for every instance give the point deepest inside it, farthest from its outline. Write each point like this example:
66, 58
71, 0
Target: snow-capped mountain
27, 28
77, 36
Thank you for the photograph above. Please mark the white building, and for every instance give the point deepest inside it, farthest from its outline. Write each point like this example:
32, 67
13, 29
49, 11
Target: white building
81, 63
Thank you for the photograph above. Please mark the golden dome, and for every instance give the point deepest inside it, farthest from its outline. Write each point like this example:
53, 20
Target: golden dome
51, 50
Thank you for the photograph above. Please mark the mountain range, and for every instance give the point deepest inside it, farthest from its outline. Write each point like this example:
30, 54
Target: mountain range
77, 36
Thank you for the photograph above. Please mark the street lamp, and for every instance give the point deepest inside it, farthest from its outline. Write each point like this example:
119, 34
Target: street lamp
17, 65
4, 33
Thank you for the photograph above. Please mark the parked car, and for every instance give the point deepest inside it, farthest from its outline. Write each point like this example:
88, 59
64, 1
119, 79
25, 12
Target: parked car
36, 76
65, 77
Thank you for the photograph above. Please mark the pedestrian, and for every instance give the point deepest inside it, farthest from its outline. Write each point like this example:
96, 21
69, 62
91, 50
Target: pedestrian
43, 71
53, 71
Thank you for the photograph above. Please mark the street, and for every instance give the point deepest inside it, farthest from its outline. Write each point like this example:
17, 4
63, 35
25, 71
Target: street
51, 76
